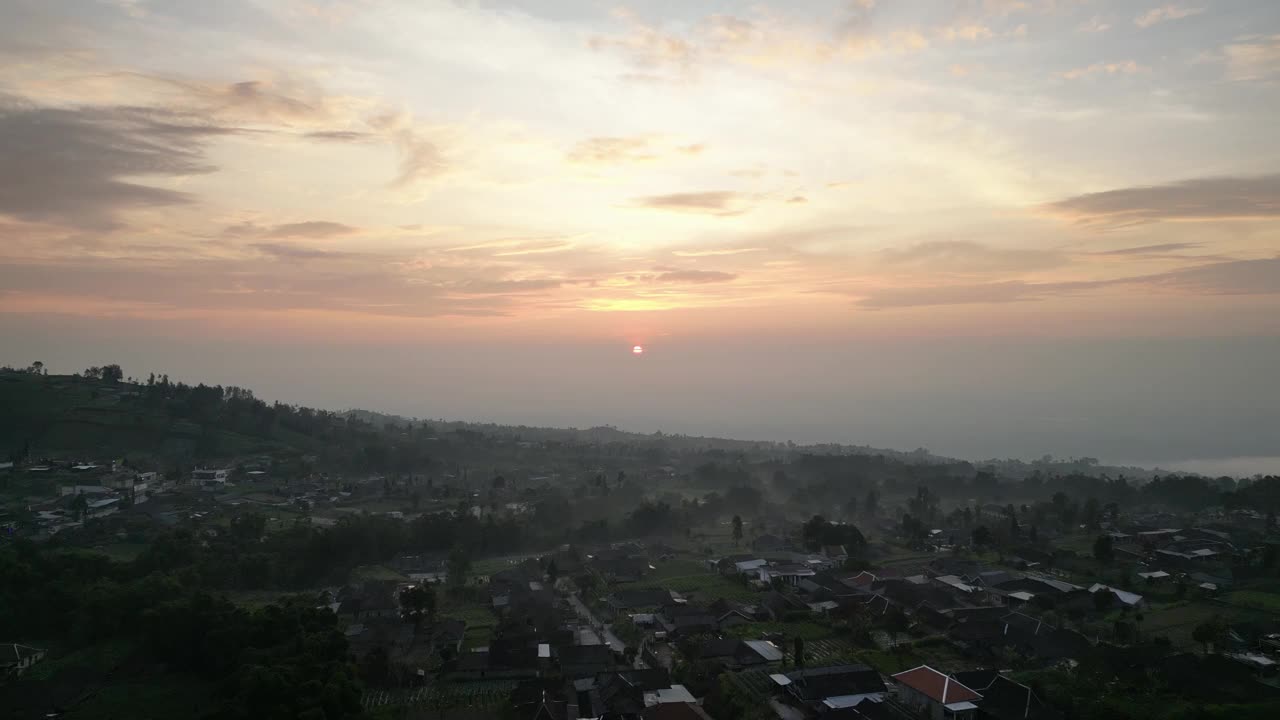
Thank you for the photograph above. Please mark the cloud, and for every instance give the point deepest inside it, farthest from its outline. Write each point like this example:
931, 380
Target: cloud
283, 101
611, 150
715, 252
68, 166
969, 257
315, 229
719, 202
695, 277
648, 47
1095, 25
515, 247
1124, 67
1253, 58
311, 229
1164, 14
972, 32
420, 158
999, 292
622, 150
1225, 198
286, 251
1151, 249
797, 200
338, 135
1238, 277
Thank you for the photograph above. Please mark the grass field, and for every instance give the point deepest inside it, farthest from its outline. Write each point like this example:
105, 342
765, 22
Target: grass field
376, 572
678, 567
1177, 621
755, 630
703, 586
158, 698
1254, 599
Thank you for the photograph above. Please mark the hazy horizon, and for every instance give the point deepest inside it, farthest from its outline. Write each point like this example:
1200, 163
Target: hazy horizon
1122, 401
996, 228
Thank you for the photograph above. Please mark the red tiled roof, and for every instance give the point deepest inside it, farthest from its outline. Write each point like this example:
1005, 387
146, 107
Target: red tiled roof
938, 686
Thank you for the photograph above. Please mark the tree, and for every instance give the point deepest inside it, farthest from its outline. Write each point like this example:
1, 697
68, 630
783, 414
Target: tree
737, 529
552, 571
1103, 550
79, 506
459, 565
897, 623
871, 506
112, 373
1209, 632
798, 650
418, 603
981, 536
1092, 514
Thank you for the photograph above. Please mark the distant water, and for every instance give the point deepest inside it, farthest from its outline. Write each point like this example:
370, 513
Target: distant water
1235, 466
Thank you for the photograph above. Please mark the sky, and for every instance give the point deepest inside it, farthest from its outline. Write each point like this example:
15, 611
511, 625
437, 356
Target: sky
986, 227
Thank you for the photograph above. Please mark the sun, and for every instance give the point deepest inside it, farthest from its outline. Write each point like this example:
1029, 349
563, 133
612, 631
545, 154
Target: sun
637, 350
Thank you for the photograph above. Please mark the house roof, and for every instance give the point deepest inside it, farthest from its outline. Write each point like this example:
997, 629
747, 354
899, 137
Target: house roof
937, 686
673, 694
1125, 597
861, 580
765, 649
978, 680
15, 653
675, 711
818, 684
1005, 699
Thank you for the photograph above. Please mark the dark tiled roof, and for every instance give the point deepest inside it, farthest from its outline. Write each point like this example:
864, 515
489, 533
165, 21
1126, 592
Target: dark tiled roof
1005, 699
820, 683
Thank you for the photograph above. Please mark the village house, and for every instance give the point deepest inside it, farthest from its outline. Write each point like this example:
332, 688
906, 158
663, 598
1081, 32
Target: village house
16, 659
935, 694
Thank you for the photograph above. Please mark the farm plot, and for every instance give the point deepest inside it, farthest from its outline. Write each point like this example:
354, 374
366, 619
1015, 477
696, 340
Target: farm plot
489, 694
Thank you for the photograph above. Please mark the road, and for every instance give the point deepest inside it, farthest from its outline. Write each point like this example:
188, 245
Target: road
601, 629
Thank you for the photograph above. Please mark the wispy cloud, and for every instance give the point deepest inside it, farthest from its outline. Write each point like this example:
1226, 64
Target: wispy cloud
1151, 249
1154, 16
298, 252
1225, 198
346, 136
969, 257
78, 167
1255, 57
1242, 277
715, 252
696, 277
1094, 24
628, 149
1123, 67
717, 202
315, 229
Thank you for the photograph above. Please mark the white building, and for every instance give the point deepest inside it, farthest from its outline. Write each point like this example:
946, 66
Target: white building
210, 477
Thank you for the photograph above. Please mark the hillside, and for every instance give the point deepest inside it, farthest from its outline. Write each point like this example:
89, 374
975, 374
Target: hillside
56, 415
